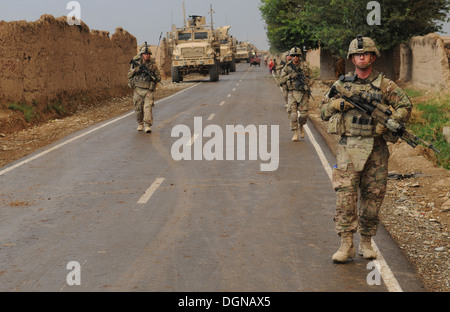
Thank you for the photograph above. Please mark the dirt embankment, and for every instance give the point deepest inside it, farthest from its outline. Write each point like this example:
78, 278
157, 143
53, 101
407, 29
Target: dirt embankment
52, 67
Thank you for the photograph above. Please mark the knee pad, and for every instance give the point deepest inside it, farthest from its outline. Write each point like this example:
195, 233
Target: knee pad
293, 115
303, 118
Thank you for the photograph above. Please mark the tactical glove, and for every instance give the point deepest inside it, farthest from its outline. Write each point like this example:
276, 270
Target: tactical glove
341, 105
393, 122
400, 115
380, 129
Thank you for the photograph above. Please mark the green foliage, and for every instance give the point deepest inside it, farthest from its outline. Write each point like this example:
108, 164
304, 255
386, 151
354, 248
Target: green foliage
429, 119
284, 27
58, 107
27, 110
333, 24
412, 93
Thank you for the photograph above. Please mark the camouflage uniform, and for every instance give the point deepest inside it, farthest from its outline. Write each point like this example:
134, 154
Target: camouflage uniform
362, 156
144, 88
284, 87
362, 153
297, 98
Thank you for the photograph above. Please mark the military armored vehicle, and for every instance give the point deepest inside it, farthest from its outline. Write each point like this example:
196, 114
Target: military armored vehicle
243, 52
227, 56
196, 49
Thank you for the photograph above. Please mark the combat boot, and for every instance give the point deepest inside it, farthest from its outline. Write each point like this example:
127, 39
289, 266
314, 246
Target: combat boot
302, 132
140, 127
147, 129
347, 249
365, 247
295, 136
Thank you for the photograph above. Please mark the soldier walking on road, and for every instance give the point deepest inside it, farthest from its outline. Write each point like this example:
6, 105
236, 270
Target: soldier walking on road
362, 152
297, 77
143, 77
283, 86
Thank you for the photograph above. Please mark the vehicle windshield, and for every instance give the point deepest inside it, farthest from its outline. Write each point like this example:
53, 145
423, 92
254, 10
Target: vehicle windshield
184, 36
201, 35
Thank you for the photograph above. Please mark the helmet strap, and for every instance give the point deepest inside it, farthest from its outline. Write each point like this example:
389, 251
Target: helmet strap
363, 67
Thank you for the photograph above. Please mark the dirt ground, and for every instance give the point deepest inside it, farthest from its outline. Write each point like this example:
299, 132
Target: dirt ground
416, 210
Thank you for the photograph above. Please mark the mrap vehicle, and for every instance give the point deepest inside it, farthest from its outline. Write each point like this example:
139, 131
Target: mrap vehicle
196, 49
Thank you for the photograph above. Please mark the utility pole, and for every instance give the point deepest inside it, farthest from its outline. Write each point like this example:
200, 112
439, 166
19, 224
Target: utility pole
211, 12
184, 15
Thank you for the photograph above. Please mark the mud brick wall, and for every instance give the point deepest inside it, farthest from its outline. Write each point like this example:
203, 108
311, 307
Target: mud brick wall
165, 58
47, 60
425, 62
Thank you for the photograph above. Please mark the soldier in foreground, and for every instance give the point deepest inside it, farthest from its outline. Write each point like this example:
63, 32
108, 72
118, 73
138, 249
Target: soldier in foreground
362, 152
296, 75
143, 77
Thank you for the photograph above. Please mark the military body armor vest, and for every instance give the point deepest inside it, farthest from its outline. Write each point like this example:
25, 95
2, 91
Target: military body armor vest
142, 81
291, 83
354, 122
356, 127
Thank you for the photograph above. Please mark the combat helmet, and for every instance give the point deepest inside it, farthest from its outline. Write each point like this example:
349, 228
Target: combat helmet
145, 49
362, 44
295, 51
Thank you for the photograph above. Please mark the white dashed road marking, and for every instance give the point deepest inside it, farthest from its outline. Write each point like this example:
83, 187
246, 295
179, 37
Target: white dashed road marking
145, 198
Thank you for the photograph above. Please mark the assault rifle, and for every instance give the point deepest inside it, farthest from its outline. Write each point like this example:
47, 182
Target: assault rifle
300, 80
370, 103
144, 71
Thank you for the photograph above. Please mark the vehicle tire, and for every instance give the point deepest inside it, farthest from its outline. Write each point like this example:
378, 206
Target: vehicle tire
175, 72
214, 72
233, 66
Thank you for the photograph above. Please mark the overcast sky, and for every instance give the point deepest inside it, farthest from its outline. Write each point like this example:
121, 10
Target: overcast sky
146, 19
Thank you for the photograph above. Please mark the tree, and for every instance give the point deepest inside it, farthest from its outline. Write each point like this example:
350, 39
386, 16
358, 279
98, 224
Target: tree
332, 24
284, 29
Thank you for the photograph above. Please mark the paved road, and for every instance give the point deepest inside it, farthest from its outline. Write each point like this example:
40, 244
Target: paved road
133, 218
